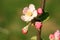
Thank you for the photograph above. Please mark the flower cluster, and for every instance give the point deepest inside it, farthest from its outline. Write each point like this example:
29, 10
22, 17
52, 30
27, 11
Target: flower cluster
55, 36
29, 13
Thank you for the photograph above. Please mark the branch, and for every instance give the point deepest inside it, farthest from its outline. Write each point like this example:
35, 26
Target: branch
43, 4
39, 34
39, 31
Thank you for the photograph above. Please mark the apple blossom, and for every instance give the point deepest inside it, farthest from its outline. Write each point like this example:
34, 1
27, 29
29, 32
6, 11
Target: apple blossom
29, 13
51, 36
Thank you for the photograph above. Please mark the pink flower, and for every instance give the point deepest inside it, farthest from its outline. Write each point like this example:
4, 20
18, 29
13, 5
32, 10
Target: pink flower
39, 11
57, 34
38, 25
51, 37
59, 37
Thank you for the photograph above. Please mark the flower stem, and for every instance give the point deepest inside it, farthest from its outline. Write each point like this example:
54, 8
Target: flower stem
28, 25
39, 31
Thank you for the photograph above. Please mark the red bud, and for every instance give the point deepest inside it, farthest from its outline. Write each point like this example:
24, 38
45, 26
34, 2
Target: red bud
24, 31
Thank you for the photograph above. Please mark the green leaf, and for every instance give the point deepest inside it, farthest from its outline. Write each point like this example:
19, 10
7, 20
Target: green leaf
43, 17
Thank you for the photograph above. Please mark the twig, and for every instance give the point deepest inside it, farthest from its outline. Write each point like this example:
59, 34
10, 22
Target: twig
39, 31
43, 4
39, 35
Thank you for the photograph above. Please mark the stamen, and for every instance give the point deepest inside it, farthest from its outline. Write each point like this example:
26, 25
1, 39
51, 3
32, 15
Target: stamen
29, 13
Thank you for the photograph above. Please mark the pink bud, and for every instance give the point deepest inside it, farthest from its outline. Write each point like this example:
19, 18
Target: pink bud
39, 11
51, 36
38, 25
24, 31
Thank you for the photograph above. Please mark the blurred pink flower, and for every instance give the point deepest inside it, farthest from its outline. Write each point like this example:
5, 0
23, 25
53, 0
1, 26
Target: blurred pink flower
51, 36
39, 11
57, 35
38, 25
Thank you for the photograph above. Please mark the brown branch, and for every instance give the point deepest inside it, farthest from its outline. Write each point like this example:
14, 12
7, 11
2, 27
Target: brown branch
43, 4
39, 31
39, 35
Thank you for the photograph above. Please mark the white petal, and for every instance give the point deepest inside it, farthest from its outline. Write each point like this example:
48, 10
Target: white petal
34, 13
22, 17
25, 10
28, 18
25, 7
31, 18
31, 7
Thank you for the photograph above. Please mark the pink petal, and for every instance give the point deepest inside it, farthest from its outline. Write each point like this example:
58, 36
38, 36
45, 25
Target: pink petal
39, 11
38, 25
25, 10
57, 33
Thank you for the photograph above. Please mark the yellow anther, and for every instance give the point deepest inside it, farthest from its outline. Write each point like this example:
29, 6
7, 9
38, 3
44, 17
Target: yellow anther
29, 13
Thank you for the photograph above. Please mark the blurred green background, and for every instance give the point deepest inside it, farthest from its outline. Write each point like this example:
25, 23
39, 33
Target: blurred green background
11, 24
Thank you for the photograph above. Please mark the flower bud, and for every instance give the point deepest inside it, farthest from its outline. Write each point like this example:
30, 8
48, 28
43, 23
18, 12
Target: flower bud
38, 25
39, 11
24, 30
